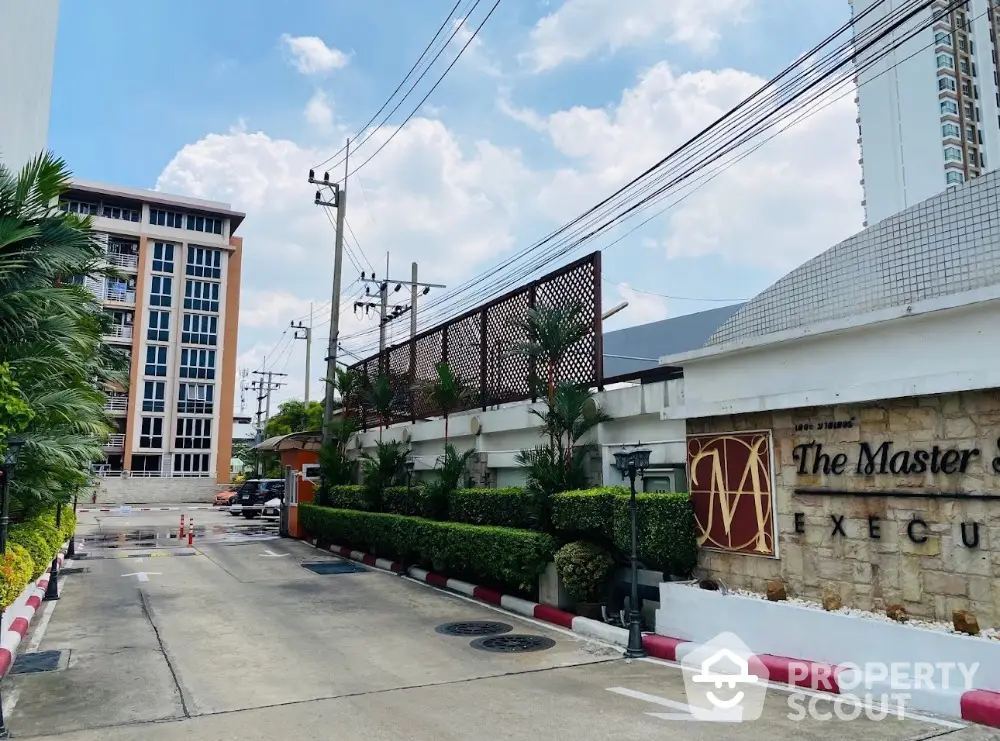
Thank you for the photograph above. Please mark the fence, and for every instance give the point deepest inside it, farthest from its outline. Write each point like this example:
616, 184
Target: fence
480, 346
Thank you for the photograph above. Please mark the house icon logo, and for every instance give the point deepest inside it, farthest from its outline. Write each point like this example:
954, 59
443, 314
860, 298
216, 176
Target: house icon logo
724, 681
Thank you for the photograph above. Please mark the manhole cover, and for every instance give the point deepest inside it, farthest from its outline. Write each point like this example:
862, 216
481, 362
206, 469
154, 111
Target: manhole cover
334, 567
40, 661
473, 628
513, 644
74, 570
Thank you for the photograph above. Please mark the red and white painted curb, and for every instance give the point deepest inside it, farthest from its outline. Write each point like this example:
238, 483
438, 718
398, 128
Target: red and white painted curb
146, 509
17, 618
976, 706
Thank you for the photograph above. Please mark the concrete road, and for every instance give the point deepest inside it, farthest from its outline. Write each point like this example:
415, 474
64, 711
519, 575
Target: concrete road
234, 639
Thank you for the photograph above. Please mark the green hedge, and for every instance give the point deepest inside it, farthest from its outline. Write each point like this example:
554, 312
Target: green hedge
349, 496
410, 501
499, 556
665, 524
510, 507
16, 570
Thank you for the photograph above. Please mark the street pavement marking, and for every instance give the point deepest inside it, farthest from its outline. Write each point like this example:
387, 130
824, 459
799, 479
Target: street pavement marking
269, 554
685, 709
164, 554
144, 575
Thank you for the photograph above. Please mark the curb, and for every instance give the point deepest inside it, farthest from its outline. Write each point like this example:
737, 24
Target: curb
17, 617
976, 706
144, 509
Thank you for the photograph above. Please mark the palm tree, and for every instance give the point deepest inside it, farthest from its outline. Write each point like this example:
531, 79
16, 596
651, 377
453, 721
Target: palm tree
551, 332
380, 397
447, 394
450, 469
383, 469
347, 383
50, 333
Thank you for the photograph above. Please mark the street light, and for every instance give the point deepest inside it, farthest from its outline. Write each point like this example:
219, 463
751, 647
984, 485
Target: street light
631, 463
410, 463
14, 445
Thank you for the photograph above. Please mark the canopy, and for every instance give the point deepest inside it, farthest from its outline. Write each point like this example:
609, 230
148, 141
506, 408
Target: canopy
295, 441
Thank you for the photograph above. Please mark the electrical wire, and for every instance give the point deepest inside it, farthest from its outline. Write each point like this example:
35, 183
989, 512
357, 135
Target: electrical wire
776, 101
675, 298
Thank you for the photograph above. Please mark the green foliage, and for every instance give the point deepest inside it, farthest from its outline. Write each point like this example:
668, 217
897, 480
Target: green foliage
584, 568
666, 526
379, 396
348, 496
15, 414
33, 541
336, 468
494, 555
348, 384
402, 500
450, 469
447, 394
16, 570
552, 331
511, 507
67, 524
387, 467
295, 416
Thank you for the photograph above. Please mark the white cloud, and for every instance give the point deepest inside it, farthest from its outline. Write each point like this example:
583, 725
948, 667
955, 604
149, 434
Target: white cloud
318, 111
581, 28
311, 55
642, 307
475, 54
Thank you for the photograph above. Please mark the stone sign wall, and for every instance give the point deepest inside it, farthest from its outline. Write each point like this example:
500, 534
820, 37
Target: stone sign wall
885, 503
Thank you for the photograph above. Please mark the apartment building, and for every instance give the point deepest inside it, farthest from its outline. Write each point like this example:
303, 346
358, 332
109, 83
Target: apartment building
174, 308
928, 112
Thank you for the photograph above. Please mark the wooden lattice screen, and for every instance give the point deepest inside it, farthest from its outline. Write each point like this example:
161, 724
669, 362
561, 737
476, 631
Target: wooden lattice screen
490, 368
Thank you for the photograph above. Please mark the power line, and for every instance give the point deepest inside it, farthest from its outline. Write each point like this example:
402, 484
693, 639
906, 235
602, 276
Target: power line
675, 298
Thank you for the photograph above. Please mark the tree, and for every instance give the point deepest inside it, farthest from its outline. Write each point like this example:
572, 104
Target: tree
552, 332
348, 384
295, 416
380, 397
384, 468
334, 465
50, 334
446, 394
450, 469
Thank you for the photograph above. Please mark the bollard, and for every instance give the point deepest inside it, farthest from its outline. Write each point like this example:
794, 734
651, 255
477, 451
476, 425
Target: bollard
182, 526
71, 551
191, 533
52, 590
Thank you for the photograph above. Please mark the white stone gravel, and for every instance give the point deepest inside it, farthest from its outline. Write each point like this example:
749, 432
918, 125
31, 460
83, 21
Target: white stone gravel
985, 633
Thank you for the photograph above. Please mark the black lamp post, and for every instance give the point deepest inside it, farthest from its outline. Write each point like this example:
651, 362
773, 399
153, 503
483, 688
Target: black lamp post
14, 445
52, 588
71, 551
631, 463
410, 463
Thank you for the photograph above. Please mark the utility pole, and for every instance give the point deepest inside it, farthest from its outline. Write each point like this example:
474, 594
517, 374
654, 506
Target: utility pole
385, 316
264, 389
413, 300
307, 336
383, 308
339, 202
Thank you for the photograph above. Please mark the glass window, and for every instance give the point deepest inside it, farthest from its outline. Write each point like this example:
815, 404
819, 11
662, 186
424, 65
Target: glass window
953, 177
160, 288
193, 432
156, 361
159, 326
152, 396
949, 106
204, 263
195, 398
196, 463
151, 432
950, 129
163, 257
945, 60
197, 363
201, 296
952, 154
200, 329
946, 82
942, 37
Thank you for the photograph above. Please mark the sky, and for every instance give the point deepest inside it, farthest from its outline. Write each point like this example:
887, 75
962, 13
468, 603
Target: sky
552, 107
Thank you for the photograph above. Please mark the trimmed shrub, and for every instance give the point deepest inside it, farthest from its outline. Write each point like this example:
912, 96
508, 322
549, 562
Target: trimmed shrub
348, 496
510, 507
67, 523
30, 537
665, 522
495, 555
584, 568
16, 571
410, 501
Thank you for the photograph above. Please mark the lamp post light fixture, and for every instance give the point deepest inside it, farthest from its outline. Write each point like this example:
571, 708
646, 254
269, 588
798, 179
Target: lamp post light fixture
631, 463
13, 450
410, 463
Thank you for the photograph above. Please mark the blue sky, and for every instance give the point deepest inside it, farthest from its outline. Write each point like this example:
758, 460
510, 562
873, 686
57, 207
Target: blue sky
555, 105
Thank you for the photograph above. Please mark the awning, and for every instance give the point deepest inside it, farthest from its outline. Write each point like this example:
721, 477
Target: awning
295, 441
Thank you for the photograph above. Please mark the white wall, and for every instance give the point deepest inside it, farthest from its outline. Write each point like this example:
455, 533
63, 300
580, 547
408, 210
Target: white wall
162, 490
907, 356
635, 409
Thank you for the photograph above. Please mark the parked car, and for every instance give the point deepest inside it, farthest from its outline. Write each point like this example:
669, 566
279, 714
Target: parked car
224, 499
258, 496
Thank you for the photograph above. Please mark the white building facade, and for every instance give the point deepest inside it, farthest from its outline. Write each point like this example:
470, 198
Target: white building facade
27, 59
929, 112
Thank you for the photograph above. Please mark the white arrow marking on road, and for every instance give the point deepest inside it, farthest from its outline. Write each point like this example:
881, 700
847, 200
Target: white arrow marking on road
270, 554
685, 709
143, 575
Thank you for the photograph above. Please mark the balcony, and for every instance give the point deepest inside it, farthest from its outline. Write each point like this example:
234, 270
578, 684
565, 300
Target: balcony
119, 294
117, 405
128, 262
115, 441
119, 332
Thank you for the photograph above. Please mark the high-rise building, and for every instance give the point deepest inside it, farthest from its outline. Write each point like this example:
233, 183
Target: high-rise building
928, 112
27, 58
175, 312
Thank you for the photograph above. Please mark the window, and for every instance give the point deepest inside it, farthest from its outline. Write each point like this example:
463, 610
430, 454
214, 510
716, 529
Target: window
949, 106
166, 218
163, 258
76, 207
970, 131
152, 396
950, 129
961, 44
969, 113
946, 82
952, 154
204, 224
160, 289
195, 398
204, 263
967, 89
156, 361
964, 67
151, 432
116, 212
201, 296
159, 326
196, 463
953, 177
945, 60
193, 432
197, 363
943, 38
200, 329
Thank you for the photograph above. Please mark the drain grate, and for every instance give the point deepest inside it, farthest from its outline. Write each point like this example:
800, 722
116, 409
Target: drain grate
73, 570
513, 644
40, 661
470, 628
334, 567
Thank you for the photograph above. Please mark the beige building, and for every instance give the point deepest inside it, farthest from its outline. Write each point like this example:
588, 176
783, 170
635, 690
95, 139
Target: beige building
174, 310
